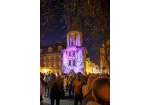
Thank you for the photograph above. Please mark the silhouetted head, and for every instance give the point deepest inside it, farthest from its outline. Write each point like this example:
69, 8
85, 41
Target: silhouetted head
90, 81
53, 76
57, 74
101, 90
79, 76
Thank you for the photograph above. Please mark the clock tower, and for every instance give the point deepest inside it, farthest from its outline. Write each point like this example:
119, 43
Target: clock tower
74, 55
74, 35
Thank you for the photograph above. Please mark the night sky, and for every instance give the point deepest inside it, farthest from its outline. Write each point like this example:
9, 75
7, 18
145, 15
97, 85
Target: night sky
58, 34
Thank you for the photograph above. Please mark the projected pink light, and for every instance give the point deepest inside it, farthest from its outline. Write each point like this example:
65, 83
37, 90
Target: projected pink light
78, 57
78, 40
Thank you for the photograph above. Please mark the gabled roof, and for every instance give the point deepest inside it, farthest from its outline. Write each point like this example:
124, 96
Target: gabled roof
53, 46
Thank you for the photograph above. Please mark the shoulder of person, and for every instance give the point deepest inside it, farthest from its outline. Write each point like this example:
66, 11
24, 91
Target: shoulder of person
84, 86
83, 81
74, 81
84, 102
92, 103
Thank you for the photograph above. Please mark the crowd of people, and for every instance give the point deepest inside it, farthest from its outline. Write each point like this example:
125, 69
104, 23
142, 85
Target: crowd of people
91, 89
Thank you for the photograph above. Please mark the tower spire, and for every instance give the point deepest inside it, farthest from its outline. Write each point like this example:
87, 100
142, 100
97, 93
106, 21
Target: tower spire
74, 20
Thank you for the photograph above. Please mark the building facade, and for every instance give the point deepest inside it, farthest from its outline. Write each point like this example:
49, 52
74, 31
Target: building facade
50, 57
103, 63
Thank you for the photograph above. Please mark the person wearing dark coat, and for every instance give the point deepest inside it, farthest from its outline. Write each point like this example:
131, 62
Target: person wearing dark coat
54, 85
87, 99
85, 78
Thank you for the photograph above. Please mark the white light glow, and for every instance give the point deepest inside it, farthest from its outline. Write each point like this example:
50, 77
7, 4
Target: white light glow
44, 70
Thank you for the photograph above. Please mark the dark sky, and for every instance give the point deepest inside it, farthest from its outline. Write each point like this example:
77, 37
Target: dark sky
58, 34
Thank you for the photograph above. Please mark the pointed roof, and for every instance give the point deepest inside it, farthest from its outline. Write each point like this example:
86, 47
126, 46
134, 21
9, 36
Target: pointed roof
53, 46
74, 26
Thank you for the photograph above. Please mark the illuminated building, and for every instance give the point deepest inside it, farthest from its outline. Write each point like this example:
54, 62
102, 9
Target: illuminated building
103, 63
74, 58
88, 69
96, 70
50, 57
91, 66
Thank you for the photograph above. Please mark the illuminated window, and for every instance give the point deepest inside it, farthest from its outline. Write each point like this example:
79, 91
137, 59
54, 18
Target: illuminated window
57, 64
47, 58
73, 62
73, 53
47, 64
49, 49
51, 57
51, 64
69, 62
59, 48
69, 53
56, 56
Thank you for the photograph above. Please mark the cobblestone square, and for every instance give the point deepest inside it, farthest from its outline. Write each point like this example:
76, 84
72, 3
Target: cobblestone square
66, 101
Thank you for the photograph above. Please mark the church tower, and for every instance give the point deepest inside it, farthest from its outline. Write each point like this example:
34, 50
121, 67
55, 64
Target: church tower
74, 35
74, 55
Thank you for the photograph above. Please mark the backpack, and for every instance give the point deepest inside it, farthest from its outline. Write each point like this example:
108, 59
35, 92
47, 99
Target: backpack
60, 87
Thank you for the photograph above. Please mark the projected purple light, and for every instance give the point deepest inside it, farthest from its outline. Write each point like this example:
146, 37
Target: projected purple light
78, 57
78, 41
